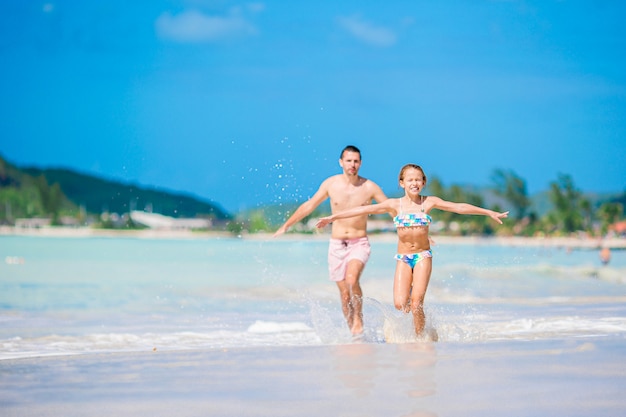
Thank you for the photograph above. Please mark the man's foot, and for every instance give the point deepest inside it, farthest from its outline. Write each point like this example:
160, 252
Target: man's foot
357, 327
358, 337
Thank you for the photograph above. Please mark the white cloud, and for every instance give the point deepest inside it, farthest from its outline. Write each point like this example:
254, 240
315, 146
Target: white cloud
367, 32
194, 26
255, 7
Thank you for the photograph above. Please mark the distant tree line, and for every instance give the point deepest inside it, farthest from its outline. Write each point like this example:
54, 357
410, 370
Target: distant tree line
30, 193
570, 210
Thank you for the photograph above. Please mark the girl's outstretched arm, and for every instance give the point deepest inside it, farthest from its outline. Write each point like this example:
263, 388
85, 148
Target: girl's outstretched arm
465, 208
380, 208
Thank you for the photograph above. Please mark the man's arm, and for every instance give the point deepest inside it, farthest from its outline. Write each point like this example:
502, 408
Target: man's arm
305, 208
378, 195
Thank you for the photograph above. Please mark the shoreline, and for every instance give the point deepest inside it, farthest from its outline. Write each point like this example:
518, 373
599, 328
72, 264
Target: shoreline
413, 379
518, 241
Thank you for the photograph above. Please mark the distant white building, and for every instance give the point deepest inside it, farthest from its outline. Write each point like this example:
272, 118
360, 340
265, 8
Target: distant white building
161, 222
33, 223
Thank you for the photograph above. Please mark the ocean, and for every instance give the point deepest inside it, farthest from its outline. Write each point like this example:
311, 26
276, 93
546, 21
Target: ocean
242, 322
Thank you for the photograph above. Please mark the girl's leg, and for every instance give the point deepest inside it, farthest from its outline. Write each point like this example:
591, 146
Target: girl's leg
421, 277
402, 282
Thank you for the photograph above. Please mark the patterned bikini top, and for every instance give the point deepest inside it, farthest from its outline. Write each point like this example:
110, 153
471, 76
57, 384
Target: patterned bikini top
411, 219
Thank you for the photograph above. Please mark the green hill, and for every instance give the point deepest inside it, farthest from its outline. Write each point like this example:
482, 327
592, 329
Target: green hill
23, 195
98, 195
31, 192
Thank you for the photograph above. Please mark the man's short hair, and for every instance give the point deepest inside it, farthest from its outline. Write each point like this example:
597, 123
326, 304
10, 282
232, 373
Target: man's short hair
350, 148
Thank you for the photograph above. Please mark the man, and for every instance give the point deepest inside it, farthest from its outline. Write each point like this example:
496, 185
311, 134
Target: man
349, 247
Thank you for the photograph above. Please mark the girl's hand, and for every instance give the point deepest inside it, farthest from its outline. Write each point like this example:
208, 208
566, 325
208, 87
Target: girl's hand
497, 216
323, 221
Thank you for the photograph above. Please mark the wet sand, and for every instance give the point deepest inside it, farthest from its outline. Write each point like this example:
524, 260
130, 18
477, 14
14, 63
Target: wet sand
556, 378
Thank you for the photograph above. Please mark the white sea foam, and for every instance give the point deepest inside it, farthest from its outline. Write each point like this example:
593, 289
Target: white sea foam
260, 333
266, 327
391, 328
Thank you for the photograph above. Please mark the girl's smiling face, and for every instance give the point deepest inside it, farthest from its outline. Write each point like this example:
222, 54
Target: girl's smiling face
412, 180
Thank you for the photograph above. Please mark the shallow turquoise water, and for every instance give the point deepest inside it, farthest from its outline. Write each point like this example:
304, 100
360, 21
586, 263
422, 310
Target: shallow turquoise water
75, 295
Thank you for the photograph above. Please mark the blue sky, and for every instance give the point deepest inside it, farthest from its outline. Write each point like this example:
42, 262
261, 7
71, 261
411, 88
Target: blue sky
250, 103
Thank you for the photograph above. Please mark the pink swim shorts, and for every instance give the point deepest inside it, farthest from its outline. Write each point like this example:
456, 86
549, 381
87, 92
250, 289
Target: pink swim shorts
341, 251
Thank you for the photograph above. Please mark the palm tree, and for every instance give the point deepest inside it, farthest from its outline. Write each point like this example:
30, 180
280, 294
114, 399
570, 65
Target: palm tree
609, 213
567, 204
512, 188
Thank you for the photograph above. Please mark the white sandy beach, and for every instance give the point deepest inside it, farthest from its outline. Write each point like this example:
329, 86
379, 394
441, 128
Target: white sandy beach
71, 232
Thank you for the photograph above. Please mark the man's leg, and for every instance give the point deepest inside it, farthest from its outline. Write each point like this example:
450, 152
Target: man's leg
346, 306
352, 296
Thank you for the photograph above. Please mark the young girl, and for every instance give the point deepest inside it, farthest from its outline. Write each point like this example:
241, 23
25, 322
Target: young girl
411, 218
